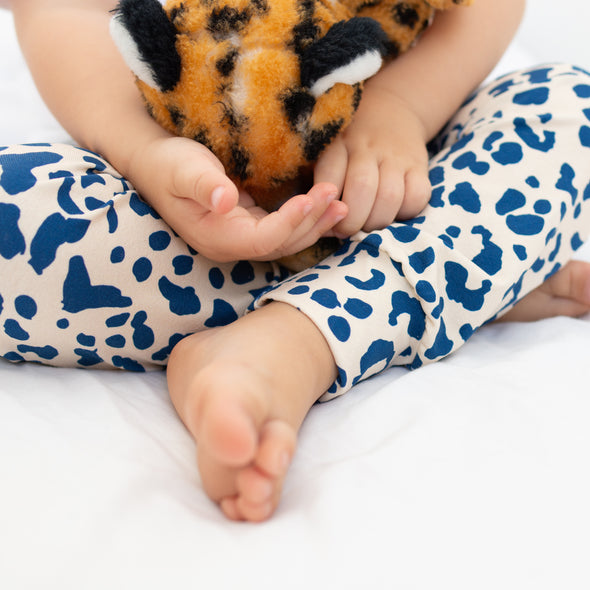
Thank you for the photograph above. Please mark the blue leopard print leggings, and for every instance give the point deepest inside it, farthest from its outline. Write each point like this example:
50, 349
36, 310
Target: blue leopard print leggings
90, 276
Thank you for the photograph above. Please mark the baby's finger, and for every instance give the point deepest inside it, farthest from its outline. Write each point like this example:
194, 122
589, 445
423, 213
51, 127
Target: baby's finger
360, 189
200, 179
417, 193
389, 198
331, 166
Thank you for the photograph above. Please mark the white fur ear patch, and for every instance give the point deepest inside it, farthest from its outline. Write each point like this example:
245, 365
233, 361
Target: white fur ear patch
360, 68
130, 52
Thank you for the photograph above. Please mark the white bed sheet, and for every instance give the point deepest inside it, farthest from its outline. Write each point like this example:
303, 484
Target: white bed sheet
468, 474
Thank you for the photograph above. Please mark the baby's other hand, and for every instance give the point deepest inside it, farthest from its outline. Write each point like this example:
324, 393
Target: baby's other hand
379, 164
187, 186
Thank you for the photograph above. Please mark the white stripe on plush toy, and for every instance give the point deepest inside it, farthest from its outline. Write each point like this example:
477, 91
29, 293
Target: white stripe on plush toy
362, 67
128, 49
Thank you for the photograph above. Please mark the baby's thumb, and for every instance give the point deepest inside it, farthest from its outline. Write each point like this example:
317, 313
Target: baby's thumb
208, 185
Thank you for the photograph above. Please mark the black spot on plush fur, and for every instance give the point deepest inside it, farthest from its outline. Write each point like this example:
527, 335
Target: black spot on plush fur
225, 66
155, 37
319, 138
224, 21
239, 162
298, 104
405, 15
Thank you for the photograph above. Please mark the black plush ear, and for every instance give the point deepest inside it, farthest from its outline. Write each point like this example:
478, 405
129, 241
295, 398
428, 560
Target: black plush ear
350, 52
146, 39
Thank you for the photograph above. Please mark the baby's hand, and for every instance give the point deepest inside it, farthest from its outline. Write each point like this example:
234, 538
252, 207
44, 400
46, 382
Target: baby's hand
187, 186
379, 164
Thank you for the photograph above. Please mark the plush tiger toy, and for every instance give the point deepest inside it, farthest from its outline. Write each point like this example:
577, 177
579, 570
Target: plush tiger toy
265, 84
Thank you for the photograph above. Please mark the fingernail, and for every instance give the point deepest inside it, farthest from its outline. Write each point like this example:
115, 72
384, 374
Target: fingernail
216, 196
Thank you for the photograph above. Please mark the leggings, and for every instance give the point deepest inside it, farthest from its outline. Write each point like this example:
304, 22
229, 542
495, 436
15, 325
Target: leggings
91, 276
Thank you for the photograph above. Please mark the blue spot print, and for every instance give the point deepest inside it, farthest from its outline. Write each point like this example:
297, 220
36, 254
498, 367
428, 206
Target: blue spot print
469, 160
116, 341
44, 352
565, 182
182, 301
216, 278
576, 241
117, 254
466, 331
438, 309
17, 176
379, 352
555, 250
339, 327
539, 76
525, 225
62, 324
159, 240
490, 258
88, 358
453, 231
55, 231
465, 196
12, 241
299, 290
582, 90
436, 175
542, 207
536, 96
86, 340
402, 303
404, 233
80, 294
182, 265
326, 298
140, 207
442, 344
457, 290
447, 241
117, 321
526, 133
426, 291
436, 197
510, 201
223, 314
308, 278
142, 269
242, 273
492, 138
13, 329
25, 306
64, 199
127, 364
358, 308
501, 88
420, 261
376, 281
143, 336
509, 153
13, 357
533, 182
520, 252
584, 135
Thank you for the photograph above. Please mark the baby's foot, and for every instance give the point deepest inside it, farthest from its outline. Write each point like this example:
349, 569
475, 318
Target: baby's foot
243, 392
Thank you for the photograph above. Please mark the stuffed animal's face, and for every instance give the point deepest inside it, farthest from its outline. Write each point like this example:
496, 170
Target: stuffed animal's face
265, 84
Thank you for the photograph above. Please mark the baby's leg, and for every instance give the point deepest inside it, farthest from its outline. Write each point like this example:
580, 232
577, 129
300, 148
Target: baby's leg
510, 205
91, 277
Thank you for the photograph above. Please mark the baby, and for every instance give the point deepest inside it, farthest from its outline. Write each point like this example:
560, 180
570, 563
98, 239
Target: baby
434, 244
